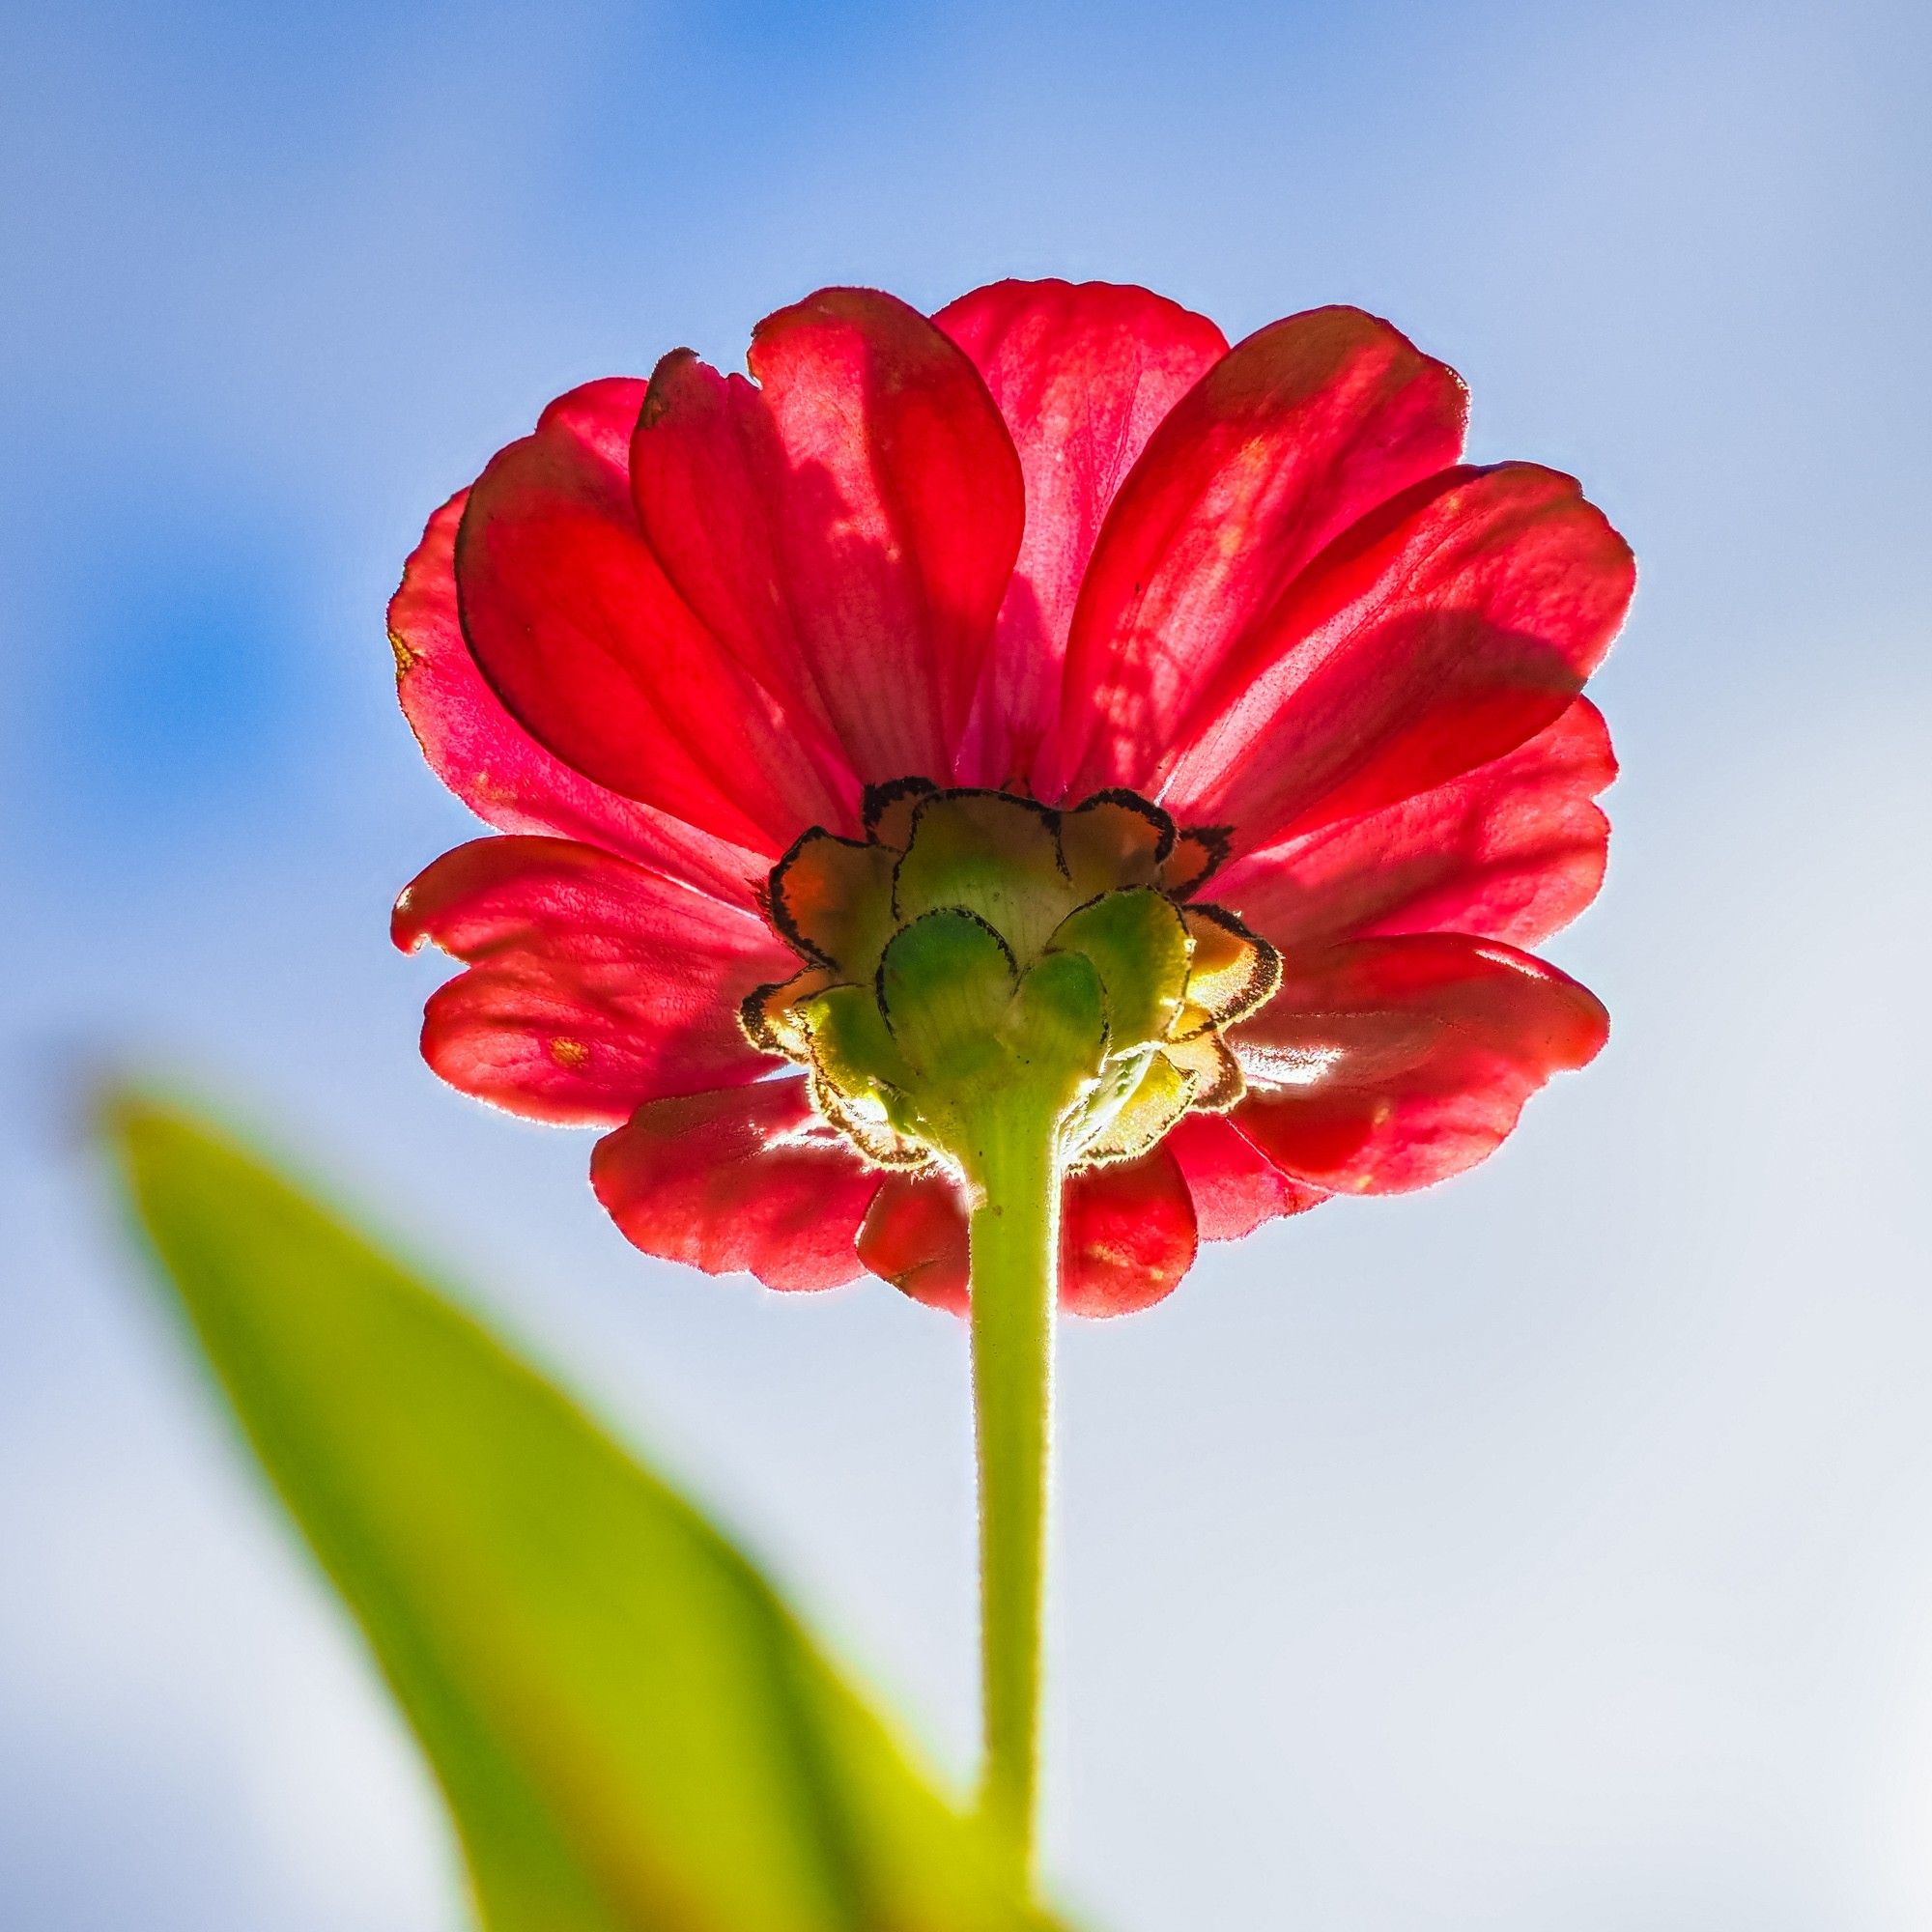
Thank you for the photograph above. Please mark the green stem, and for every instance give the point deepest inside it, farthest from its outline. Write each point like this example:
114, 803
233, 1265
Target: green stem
1015, 1247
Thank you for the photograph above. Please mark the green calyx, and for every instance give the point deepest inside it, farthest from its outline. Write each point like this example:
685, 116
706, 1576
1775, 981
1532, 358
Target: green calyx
976, 950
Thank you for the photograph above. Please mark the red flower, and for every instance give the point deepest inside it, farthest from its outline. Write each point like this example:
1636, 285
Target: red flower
1104, 607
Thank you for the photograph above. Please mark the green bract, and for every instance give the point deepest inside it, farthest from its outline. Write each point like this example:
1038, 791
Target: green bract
976, 945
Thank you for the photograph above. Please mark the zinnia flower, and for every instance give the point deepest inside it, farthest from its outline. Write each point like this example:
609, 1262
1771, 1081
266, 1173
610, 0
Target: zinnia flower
1043, 680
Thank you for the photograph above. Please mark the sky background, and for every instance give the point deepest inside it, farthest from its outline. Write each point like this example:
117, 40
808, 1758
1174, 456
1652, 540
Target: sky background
1552, 1550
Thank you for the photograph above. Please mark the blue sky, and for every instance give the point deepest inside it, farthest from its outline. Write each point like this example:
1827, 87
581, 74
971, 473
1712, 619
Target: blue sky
1551, 1548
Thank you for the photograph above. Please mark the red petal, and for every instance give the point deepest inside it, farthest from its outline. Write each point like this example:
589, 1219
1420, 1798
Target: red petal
1439, 633
593, 984
1083, 375
1513, 850
1234, 1186
495, 767
915, 1238
747, 1179
581, 637
1293, 436
1126, 1236
848, 525
1388, 1063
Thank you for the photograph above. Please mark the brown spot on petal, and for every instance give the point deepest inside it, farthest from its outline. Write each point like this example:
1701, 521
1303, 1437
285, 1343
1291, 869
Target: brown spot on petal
572, 1055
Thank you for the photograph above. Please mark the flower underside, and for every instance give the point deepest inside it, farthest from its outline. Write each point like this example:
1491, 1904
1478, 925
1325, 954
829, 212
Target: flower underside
977, 946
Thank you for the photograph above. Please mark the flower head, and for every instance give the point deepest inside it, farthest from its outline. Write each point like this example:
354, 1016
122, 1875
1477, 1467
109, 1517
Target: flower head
1039, 692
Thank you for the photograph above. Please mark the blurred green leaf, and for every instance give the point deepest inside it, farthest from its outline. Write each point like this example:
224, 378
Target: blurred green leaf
631, 1729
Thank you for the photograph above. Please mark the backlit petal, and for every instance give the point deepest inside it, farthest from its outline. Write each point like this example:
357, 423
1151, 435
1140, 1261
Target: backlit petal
1234, 1186
915, 1238
497, 768
579, 632
1293, 436
1126, 1236
846, 524
1388, 1063
1439, 633
1513, 850
1083, 375
747, 1179
592, 986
